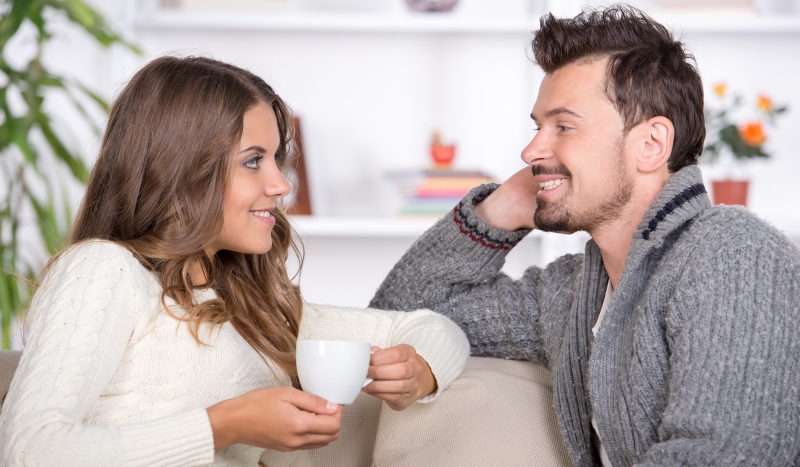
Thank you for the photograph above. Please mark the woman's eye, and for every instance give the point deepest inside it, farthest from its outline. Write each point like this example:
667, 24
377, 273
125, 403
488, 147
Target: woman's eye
253, 162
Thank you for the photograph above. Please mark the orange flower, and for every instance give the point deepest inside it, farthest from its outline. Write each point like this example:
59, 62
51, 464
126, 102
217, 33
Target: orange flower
764, 103
720, 89
752, 134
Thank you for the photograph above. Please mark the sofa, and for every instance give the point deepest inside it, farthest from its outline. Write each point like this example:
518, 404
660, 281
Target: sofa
497, 413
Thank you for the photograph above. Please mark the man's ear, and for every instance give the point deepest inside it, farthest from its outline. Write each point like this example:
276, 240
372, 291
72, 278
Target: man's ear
656, 144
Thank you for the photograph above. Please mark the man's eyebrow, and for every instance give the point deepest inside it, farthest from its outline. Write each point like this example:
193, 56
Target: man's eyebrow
559, 111
253, 148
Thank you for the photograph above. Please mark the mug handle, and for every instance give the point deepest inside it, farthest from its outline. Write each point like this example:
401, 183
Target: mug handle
368, 380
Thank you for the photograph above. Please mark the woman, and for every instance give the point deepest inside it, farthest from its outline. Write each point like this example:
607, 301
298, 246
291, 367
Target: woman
165, 334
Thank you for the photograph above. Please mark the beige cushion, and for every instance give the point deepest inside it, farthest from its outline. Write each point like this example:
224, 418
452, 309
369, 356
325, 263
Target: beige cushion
8, 364
498, 412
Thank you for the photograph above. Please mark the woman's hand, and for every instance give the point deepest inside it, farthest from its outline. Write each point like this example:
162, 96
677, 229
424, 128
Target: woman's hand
400, 376
283, 419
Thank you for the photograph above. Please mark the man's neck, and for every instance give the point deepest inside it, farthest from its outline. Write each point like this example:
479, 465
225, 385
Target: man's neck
615, 236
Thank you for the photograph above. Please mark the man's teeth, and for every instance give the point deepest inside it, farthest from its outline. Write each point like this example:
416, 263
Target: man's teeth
550, 184
262, 213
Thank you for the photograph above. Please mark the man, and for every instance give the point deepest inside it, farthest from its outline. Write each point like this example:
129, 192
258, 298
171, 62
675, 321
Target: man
673, 339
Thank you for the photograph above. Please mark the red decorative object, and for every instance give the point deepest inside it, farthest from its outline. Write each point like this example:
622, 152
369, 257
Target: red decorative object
442, 154
730, 191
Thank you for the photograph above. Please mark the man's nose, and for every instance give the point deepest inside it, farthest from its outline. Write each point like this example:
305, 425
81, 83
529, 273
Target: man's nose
536, 150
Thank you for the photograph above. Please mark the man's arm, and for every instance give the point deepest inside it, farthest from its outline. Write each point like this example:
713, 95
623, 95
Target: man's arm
735, 356
454, 269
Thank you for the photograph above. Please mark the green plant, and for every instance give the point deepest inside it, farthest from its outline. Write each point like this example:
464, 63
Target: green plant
27, 138
743, 141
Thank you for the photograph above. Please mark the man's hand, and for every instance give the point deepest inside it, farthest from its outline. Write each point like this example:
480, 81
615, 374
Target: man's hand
512, 205
400, 376
283, 419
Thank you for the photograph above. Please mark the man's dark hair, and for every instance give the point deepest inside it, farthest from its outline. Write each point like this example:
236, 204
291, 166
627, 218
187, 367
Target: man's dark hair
649, 72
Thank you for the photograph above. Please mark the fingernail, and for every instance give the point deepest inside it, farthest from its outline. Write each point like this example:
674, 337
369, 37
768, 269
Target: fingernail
331, 405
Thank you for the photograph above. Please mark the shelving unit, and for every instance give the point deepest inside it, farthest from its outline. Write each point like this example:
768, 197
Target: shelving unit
332, 23
372, 227
352, 74
407, 23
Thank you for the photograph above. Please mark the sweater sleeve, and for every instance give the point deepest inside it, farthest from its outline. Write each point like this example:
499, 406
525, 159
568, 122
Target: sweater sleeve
78, 326
454, 269
435, 338
734, 380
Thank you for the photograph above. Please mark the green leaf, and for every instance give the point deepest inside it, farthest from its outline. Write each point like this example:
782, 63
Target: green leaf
76, 165
102, 103
87, 117
47, 219
20, 139
94, 24
10, 23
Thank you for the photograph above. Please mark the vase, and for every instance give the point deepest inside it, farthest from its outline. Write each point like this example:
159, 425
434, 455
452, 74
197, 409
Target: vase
730, 191
431, 5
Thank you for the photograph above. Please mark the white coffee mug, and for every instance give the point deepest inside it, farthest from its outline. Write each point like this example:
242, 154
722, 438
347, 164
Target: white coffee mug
333, 370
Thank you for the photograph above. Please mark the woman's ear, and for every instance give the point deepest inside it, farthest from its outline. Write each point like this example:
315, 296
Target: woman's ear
657, 137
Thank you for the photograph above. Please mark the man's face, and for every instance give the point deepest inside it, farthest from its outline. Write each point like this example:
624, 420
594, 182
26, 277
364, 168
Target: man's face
578, 155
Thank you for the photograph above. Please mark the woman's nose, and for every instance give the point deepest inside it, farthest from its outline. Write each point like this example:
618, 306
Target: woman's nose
275, 184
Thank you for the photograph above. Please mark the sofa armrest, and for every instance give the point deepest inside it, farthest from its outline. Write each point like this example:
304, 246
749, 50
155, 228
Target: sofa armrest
498, 412
8, 365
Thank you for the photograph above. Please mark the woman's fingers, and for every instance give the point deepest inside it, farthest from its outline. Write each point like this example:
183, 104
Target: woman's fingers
311, 403
400, 376
307, 423
284, 419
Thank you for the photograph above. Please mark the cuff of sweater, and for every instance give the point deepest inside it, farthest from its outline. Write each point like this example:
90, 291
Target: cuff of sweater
443, 346
181, 439
479, 231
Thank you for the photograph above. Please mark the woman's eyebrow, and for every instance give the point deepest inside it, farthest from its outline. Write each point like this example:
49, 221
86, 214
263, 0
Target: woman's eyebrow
253, 148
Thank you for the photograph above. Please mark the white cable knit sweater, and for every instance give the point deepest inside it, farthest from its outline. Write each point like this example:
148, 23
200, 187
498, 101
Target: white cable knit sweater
108, 378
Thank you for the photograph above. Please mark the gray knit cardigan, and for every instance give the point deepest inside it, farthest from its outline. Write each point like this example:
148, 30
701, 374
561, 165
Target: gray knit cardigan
697, 361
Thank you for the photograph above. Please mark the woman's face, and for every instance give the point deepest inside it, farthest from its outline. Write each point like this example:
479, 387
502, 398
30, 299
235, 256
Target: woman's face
254, 188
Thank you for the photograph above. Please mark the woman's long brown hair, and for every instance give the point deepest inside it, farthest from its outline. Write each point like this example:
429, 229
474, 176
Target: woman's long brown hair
157, 188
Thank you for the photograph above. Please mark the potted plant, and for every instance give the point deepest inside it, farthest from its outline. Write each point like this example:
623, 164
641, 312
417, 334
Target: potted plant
736, 139
33, 149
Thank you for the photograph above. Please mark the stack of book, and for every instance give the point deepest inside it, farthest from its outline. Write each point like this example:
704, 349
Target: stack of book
434, 192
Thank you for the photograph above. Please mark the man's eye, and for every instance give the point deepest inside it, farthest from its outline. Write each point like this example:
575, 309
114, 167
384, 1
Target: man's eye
536, 129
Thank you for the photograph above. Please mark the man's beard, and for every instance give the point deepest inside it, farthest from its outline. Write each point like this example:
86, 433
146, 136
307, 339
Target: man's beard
556, 216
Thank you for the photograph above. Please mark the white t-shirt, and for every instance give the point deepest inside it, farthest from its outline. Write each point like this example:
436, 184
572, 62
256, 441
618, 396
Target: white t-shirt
609, 293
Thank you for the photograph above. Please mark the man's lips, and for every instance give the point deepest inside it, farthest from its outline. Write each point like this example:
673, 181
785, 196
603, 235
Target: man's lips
551, 184
550, 178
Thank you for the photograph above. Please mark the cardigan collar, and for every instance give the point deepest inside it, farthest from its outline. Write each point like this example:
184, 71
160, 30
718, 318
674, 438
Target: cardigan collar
682, 198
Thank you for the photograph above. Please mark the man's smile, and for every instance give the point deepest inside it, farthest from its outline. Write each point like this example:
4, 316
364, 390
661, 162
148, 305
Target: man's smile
550, 184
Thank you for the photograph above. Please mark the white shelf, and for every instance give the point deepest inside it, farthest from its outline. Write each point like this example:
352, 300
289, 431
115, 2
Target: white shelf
168, 19
728, 23
407, 23
412, 227
363, 227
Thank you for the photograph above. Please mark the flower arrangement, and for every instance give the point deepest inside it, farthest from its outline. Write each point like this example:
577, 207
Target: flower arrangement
744, 141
